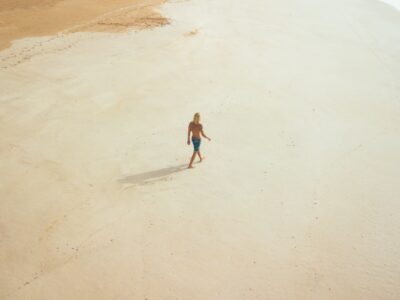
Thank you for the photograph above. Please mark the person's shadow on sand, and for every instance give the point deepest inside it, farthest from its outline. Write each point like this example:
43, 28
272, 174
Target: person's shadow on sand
151, 176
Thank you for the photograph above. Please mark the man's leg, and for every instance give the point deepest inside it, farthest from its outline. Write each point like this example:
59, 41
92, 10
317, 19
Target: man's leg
199, 154
192, 159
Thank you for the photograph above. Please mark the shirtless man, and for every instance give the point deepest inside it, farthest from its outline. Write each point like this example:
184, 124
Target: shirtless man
197, 131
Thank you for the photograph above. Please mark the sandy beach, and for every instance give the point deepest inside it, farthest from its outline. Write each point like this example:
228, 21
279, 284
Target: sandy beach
298, 197
20, 19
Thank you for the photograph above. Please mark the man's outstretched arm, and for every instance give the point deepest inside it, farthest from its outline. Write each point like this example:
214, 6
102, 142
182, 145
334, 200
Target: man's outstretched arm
204, 135
188, 135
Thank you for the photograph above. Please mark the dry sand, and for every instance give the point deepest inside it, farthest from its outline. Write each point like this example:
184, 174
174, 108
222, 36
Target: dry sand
298, 197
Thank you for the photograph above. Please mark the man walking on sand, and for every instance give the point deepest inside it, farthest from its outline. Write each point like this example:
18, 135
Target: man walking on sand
196, 129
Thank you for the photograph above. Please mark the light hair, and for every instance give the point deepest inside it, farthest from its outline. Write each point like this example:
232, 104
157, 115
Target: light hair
196, 118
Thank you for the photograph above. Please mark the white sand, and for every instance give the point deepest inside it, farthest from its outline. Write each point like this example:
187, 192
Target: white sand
394, 3
298, 197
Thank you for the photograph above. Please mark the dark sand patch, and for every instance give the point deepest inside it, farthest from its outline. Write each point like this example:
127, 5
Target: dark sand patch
20, 19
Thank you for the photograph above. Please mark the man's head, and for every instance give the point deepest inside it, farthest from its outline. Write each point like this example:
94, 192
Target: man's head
196, 118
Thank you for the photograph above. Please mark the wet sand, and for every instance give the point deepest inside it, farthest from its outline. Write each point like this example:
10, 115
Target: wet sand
19, 19
298, 196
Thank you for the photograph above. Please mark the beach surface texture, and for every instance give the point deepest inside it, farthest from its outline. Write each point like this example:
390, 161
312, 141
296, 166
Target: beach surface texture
298, 197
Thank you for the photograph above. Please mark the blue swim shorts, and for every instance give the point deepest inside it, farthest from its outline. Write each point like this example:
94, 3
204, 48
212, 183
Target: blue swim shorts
196, 144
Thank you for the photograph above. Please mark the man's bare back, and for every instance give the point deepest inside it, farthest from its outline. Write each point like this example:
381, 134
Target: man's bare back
195, 129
